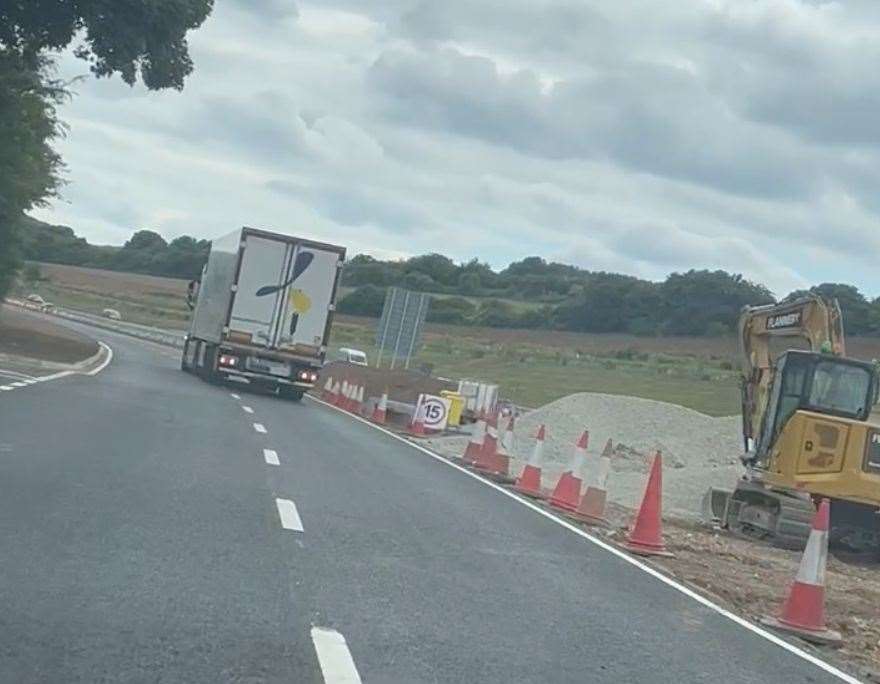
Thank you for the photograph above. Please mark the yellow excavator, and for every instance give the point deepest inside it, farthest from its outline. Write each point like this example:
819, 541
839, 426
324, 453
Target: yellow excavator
806, 431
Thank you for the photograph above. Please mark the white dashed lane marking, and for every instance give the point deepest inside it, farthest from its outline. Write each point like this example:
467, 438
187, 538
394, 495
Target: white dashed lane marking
6, 388
19, 384
247, 409
259, 427
271, 456
290, 519
234, 396
335, 659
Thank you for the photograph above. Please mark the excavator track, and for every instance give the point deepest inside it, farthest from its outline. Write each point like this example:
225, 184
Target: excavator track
756, 512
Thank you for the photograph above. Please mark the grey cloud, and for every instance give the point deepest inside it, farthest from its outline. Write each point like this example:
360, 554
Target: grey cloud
651, 118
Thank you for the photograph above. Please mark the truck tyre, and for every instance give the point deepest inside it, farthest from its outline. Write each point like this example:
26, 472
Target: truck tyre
206, 371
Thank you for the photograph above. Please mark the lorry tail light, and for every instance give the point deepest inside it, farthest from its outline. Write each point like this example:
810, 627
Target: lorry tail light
307, 376
228, 360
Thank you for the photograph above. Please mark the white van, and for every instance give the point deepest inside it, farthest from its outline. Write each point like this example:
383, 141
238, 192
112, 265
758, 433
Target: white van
355, 356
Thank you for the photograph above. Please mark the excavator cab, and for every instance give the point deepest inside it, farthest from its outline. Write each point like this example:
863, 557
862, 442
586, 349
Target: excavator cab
807, 431
820, 383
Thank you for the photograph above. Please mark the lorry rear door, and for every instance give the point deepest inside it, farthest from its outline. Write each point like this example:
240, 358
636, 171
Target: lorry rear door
311, 282
264, 263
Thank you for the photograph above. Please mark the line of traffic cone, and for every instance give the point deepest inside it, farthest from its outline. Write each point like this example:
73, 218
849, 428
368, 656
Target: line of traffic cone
567, 493
803, 612
380, 412
646, 534
529, 481
591, 509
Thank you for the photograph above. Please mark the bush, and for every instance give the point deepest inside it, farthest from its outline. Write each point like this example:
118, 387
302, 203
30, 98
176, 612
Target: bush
364, 301
717, 329
453, 310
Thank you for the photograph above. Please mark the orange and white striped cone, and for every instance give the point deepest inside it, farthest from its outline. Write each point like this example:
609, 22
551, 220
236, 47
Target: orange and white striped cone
567, 493
591, 509
645, 536
350, 399
358, 407
475, 441
343, 394
803, 613
417, 427
380, 413
490, 445
334, 393
327, 394
529, 481
497, 464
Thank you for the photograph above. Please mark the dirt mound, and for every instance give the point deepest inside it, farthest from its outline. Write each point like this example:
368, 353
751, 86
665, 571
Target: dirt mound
698, 451
402, 385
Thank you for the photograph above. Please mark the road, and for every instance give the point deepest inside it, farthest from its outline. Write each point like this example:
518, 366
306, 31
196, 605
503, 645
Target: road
142, 540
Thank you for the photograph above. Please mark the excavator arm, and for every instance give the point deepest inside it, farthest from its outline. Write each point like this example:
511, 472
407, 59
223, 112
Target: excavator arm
811, 318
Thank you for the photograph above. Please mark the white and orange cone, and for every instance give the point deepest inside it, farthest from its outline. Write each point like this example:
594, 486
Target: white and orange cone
803, 613
496, 464
359, 400
343, 394
591, 508
486, 456
475, 441
327, 394
337, 393
380, 412
567, 492
417, 427
529, 482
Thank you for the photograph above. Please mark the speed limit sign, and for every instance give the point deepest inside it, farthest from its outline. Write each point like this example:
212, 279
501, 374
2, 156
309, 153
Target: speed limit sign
435, 411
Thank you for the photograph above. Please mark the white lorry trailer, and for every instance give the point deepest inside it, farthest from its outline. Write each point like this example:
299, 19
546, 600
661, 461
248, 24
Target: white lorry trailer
263, 310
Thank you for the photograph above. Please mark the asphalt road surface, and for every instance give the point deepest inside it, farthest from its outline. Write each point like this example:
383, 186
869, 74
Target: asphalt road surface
148, 535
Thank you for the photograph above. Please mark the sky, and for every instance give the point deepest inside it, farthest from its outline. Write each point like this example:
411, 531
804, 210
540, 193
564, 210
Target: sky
633, 136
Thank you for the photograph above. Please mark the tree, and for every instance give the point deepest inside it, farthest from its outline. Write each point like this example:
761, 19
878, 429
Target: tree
135, 38
364, 301
145, 38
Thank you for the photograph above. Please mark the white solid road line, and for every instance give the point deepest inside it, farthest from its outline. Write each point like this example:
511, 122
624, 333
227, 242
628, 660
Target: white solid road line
259, 427
234, 396
19, 384
335, 659
271, 456
247, 409
6, 388
623, 555
290, 519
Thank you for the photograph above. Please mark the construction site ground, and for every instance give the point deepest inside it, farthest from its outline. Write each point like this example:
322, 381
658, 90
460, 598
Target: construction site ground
746, 576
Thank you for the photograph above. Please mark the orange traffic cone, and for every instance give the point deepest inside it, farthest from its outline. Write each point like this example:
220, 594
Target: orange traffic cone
567, 493
343, 394
646, 536
380, 413
496, 464
358, 401
529, 482
591, 509
486, 456
334, 394
804, 611
417, 427
327, 394
475, 441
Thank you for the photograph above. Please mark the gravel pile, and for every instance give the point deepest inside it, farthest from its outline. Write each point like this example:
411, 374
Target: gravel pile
698, 451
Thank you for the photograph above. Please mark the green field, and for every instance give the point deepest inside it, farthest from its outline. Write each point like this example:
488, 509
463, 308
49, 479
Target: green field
532, 367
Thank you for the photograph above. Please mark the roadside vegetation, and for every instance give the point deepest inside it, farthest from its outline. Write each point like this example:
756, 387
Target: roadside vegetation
533, 367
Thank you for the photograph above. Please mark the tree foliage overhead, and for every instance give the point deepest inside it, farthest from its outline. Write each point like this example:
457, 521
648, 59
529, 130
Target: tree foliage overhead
143, 39
128, 37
